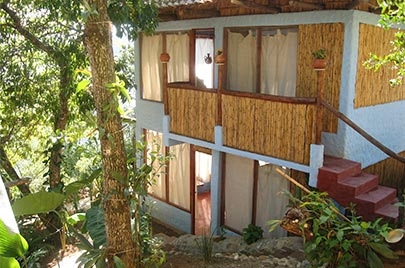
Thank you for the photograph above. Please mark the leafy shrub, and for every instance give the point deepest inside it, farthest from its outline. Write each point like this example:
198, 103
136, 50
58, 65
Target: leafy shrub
333, 239
252, 233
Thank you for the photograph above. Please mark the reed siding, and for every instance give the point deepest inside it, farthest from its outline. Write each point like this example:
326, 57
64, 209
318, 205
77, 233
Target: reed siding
312, 37
373, 87
390, 172
192, 112
279, 129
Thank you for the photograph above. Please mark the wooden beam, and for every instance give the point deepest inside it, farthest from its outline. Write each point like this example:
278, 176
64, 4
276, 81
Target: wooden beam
309, 6
362, 4
252, 5
187, 13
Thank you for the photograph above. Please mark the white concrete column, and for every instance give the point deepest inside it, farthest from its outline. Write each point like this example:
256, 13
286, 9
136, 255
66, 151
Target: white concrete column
216, 175
315, 162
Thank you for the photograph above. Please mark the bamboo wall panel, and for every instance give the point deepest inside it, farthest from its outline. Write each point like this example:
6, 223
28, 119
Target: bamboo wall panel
390, 172
192, 113
373, 87
311, 37
277, 129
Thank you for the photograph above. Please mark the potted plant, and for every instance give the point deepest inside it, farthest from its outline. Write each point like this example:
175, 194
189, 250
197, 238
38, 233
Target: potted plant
319, 62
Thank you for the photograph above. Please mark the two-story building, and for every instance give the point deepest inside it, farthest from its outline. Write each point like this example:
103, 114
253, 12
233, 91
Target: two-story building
233, 123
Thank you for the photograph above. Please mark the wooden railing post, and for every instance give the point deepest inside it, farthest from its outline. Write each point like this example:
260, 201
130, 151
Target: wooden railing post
165, 58
319, 109
220, 61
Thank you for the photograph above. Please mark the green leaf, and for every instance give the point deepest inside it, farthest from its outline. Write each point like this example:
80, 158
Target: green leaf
96, 226
41, 202
273, 224
6, 262
339, 234
373, 260
75, 218
118, 262
365, 225
383, 250
74, 187
11, 244
82, 85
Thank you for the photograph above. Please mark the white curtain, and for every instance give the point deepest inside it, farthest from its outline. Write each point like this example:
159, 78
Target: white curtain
279, 64
151, 67
179, 176
155, 144
178, 49
271, 204
238, 192
241, 61
203, 167
204, 71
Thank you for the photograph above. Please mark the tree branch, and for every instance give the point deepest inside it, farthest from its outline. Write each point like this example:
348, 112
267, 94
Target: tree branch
24, 32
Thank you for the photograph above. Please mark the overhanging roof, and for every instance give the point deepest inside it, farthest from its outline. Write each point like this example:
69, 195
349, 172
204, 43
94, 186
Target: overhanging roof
194, 9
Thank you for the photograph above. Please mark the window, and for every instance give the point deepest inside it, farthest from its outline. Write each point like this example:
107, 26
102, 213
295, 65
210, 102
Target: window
177, 46
155, 144
172, 184
262, 60
204, 58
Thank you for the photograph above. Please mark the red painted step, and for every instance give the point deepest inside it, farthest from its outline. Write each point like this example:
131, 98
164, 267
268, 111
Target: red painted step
389, 211
375, 199
335, 169
352, 186
345, 182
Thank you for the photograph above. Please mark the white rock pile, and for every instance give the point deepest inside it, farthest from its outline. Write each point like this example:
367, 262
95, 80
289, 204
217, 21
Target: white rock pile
286, 252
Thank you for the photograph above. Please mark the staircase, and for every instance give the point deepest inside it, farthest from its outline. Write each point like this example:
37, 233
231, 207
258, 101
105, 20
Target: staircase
345, 182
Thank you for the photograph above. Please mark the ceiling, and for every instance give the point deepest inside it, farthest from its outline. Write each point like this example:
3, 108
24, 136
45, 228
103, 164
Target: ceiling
193, 9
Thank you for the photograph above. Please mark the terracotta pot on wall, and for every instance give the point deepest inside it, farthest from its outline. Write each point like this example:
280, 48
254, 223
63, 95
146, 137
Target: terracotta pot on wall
319, 64
164, 57
220, 59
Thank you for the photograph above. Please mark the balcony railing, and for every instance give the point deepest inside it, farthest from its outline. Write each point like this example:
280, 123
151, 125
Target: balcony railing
281, 127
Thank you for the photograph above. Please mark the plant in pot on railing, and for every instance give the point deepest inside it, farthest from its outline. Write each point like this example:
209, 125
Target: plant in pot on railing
319, 62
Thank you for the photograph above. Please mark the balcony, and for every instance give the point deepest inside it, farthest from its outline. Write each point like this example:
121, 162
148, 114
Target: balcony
280, 127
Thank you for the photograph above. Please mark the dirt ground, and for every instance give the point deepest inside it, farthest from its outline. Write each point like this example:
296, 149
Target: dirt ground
188, 261
180, 260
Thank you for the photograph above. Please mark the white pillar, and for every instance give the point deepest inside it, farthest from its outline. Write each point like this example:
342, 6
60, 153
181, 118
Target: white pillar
316, 161
216, 176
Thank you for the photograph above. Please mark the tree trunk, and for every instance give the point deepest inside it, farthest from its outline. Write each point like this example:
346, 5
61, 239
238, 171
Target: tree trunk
98, 41
9, 168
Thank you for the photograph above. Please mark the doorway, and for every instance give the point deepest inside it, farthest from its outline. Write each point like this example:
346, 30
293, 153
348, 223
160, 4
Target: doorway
202, 204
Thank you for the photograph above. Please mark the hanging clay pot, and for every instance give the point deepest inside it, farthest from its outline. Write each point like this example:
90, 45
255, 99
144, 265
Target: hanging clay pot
319, 64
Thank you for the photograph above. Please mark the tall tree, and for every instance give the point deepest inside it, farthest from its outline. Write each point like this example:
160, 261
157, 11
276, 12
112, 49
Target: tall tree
117, 211
129, 17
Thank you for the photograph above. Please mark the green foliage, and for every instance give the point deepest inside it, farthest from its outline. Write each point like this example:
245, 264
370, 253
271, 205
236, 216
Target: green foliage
153, 256
319, 54
130, 17
339, 241
392, 15
95, 226
95, 249
12, 245
36, 203
39, 240
252, 233
205, 244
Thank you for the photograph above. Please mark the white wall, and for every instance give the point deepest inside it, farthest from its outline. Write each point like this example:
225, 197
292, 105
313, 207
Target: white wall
384, 122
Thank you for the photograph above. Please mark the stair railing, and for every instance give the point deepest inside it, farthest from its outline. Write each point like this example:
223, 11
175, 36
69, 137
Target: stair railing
363, 133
